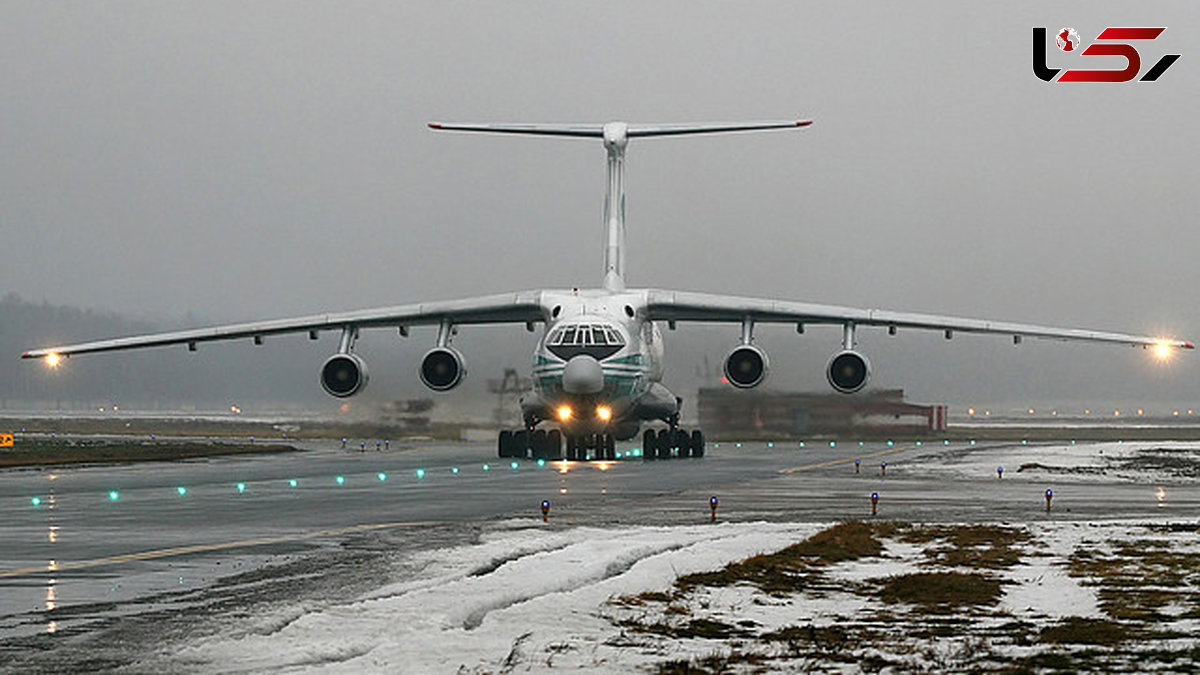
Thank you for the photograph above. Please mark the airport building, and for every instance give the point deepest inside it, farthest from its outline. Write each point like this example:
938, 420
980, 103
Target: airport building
731, 413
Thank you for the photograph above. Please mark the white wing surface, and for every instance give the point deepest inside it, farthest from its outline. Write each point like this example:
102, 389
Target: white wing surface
665, 305
524, 307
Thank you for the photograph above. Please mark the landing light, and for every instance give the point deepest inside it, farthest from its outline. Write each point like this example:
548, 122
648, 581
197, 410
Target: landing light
53, 360
1162, 351
564, 412
604, 413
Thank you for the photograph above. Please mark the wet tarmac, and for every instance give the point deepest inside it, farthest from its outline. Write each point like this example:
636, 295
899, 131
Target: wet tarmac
99, 563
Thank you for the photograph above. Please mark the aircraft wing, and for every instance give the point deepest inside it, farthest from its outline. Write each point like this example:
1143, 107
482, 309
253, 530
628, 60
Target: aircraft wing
524, 307
703, 307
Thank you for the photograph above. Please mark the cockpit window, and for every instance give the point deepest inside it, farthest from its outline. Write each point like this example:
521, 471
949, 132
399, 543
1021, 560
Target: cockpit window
598, 340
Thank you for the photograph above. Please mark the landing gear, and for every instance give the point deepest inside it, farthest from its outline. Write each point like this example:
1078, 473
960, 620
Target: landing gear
670, 443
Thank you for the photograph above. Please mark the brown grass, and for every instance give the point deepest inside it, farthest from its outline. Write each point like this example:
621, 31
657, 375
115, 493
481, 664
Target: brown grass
941, 590
1081, 631
793, 568
975, 546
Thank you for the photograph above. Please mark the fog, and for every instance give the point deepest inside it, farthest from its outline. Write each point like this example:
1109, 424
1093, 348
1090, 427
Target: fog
228, 161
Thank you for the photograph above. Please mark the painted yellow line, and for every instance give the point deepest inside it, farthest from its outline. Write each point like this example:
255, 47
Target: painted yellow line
205, 548
835, 462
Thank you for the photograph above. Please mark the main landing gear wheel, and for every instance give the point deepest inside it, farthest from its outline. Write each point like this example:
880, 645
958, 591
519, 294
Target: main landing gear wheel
554, 444
670, 443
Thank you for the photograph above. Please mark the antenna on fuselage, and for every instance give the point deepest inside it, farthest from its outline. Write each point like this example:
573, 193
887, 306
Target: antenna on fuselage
616, 137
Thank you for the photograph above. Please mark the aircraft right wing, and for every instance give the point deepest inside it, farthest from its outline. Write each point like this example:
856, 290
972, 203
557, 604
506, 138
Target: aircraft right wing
523, 307
664, 305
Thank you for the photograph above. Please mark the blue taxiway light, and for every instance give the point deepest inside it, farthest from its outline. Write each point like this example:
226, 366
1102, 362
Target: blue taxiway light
454, 470
972, 442
486, 467
513, 465
542, 462
340, 479
890, 444
802, 444
770, 444
293, 482
381, 476
36, 501
181, 490
420, 473
241, 487
114, 495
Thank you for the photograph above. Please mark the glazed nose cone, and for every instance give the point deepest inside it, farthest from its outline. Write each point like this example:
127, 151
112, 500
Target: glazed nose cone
583, 375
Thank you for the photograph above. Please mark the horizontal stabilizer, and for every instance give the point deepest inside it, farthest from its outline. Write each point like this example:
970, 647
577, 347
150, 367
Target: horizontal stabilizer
632, 130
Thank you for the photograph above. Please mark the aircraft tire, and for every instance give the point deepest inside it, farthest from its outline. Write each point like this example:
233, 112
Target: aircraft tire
697, 443
683, 441
649, 445
554, 447
520, 446
504, 443
538, 444
609, 442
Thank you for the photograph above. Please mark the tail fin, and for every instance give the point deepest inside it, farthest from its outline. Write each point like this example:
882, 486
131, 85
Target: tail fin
616, 136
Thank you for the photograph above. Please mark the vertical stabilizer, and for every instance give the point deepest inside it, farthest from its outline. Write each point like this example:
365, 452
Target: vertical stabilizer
616, 137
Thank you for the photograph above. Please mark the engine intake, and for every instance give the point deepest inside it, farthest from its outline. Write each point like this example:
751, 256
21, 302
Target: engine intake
746, 366
442, 368
848, 371
343, 375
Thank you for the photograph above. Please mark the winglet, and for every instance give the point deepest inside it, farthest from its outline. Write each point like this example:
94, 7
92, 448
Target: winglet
1188, 345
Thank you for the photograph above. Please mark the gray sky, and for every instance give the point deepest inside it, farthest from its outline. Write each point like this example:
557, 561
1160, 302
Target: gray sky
250, 160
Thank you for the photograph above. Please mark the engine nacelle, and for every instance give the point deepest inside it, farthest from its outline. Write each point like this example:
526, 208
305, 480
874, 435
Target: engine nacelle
848, 371
442, 368
746, 366
343, 375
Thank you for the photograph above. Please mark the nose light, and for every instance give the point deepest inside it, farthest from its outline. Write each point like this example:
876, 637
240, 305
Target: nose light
603, 413
564, 412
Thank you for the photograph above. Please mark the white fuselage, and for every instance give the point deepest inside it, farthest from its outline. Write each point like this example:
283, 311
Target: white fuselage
610, 328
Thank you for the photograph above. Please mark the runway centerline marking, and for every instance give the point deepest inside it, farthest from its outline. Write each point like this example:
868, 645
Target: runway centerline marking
835, 462
56, 567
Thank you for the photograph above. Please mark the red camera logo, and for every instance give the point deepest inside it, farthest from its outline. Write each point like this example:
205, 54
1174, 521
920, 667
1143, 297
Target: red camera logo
1110, 42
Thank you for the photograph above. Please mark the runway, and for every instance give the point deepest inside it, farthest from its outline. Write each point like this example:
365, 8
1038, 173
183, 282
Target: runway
147, 553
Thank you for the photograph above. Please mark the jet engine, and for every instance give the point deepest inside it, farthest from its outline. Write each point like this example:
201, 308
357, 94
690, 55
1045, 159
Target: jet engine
746, 366
442, 368
343, 375
848, 371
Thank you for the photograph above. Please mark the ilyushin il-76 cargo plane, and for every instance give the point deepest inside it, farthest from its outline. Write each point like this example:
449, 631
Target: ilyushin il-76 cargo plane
598, 365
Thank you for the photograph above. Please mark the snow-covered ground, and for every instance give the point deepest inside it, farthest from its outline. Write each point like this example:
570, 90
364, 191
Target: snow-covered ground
1151, 462
539, 598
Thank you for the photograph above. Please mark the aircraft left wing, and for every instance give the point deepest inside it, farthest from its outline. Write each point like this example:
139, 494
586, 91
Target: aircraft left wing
523, 307
664, 305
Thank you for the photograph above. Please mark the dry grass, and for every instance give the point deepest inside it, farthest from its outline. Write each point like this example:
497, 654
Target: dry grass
1081, 631
976, 546
57, 452
792, 569
941, 590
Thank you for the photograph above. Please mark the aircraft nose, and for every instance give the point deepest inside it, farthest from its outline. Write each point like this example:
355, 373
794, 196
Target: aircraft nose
583, 375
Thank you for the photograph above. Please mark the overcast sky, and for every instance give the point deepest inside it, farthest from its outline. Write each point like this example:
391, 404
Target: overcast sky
251, 160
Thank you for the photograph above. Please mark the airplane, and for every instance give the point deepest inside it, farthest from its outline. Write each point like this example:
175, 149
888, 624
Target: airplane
598, 365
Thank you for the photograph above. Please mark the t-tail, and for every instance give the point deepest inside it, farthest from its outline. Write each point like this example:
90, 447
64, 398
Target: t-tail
616, 136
